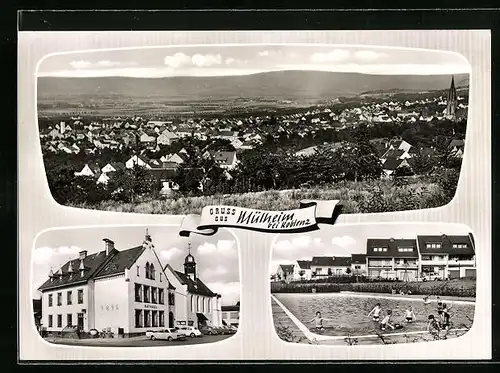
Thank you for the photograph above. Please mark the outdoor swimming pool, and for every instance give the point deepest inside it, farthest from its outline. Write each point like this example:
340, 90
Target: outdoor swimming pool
349, 312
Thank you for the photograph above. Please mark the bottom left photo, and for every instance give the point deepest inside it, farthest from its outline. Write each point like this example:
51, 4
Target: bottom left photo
134, 286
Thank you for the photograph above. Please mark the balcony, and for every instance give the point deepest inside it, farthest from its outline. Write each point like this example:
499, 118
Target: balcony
463, 263
434, 262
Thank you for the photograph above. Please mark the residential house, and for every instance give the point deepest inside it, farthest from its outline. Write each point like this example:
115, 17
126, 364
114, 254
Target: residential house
326, 266
285, 272
358, 265
447, 256
148, 137
392, 258
167, 138
392, 164
226, 160
456, 148
91, 169
302, 270
138, 160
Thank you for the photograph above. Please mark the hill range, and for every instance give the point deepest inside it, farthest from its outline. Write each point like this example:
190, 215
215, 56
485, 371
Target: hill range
279, 85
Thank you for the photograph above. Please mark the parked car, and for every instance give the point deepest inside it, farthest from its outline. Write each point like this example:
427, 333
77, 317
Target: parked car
148, 333
208, 330
430, 277
228, 329
222, 330
169, 334
191, 331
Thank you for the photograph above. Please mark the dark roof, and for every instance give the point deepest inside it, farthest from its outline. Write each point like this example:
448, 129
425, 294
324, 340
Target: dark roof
358, 258
195, 287
331, 261
392, 247
304, 264
286, 268
118, 165
225, 158
120, 261
392, 163
91, 262
446, 244
393, 153
230, 308
457, 143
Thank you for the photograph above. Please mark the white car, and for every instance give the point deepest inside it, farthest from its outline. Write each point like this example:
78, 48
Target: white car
149, 332
169, 334
191, 331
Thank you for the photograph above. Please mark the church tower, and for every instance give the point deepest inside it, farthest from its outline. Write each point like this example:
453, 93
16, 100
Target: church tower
451, 106
190, 265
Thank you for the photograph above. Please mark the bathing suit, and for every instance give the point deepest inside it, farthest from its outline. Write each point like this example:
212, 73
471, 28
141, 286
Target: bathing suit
376, 317
376, 314
409, 319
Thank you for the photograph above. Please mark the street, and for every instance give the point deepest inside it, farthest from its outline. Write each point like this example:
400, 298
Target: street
141, 341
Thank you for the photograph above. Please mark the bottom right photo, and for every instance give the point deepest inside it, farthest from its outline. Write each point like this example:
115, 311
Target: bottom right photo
368, 284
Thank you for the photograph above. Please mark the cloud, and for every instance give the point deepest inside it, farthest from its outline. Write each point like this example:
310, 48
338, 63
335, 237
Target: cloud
263, 53
214, 274
335, 55
202, 60
168, 254
223, 247
176, 60
48, 255
343, 241
43, 255
99, 64
230, 291
367, 55
68, 250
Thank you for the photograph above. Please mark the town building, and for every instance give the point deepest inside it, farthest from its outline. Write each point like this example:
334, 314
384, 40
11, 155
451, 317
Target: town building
121, 291
285, 272
392, 258
231, 315
447, 256
358, 265
195, 303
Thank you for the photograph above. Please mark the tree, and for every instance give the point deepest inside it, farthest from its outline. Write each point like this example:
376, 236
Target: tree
329, 272
358, 161
403, 172
421, 163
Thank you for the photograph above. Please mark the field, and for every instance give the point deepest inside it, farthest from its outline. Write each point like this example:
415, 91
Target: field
356, 197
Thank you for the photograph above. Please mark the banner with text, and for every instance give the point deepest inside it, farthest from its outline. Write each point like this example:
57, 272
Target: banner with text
304, 219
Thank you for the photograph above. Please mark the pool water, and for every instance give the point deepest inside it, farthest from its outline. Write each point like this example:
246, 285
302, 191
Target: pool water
349, 313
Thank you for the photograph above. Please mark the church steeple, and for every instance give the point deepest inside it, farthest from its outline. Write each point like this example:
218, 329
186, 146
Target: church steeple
190, 264
451, 105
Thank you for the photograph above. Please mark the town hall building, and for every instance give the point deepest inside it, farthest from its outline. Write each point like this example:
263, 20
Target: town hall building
125, 292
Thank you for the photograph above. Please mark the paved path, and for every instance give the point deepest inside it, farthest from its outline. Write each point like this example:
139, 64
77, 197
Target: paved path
140, 341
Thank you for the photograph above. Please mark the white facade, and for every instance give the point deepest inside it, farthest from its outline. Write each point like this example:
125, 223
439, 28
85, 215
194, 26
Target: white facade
188, 305
135, 160
307, 274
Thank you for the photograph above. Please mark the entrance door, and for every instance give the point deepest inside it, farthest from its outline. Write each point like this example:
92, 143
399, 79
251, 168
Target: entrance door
80, 321
170, 319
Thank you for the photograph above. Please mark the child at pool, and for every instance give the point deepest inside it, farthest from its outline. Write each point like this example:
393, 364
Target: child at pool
439, 303
385, 322
409, 315
318, 320
433, 326
426, 299
376, 312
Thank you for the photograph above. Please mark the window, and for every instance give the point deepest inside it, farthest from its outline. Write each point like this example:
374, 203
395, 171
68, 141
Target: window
459, 246
50, 300
50, 321
138, 271
171, 299
161, 296
138, 292
357, 267
80, 296
147, 318
151, 272
405, 249
160, 276
138, 318
59, 299
59, 321
162, 318
147, 270
426, 257
153, 295
192, 303
380, 249
146, 294
69, 297
209, 303
69, 319
155, 318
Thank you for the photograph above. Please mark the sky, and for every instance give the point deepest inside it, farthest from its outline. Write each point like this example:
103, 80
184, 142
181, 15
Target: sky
210, 60
344, 240
216, 256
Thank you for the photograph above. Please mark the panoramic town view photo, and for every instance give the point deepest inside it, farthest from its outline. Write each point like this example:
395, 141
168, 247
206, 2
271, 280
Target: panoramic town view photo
134, 286
171, 130
374, 284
